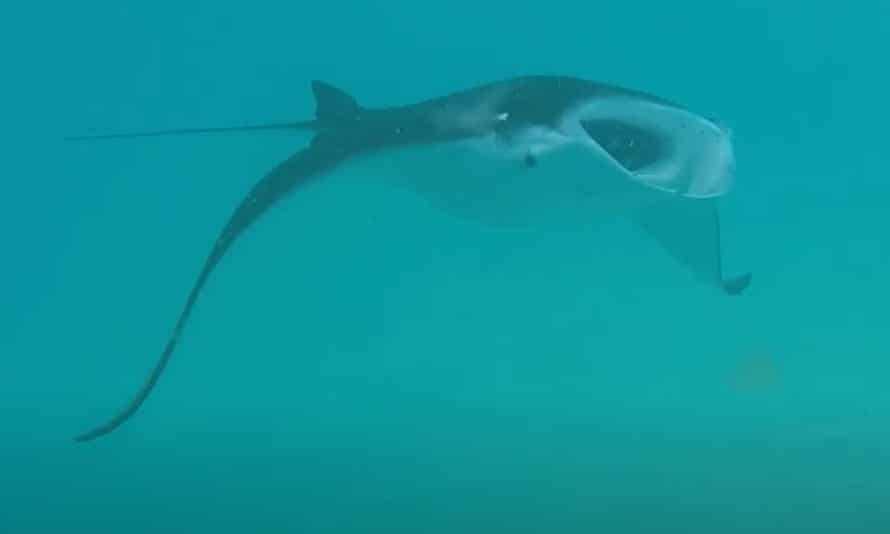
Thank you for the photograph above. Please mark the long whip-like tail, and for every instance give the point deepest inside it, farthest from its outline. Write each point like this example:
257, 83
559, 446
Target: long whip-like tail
303, 125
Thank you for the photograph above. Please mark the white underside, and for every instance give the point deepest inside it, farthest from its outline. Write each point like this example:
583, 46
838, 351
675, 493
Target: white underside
502, 192
566, 185
575, 181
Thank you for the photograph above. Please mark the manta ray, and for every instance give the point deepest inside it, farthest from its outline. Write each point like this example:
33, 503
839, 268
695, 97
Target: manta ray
512, 152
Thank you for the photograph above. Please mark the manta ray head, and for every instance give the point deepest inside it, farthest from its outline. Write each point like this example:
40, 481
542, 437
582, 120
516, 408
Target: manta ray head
656, 144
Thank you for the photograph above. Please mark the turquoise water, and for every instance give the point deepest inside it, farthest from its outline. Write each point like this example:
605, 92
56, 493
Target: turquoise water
362, 362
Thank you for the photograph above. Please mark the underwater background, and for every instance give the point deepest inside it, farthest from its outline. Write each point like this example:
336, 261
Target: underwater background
362, 362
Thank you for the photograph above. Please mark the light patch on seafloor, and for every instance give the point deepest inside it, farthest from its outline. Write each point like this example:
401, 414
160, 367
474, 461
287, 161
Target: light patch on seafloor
756, 373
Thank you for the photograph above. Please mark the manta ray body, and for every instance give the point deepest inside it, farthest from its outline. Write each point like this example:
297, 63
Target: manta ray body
540, 147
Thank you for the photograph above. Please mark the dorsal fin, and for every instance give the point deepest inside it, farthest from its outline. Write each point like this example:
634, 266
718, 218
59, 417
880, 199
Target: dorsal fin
332, 103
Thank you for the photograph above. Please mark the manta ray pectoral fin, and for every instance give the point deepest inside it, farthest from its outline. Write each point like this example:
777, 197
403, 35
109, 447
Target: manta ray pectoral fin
324, 153
315, 160
689, 231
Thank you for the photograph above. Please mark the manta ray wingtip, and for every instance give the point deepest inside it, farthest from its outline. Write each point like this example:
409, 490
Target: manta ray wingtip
736, 285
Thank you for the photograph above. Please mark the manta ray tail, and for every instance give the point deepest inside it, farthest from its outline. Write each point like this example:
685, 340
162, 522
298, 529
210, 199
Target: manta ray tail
325, 152
305, 125
332, 105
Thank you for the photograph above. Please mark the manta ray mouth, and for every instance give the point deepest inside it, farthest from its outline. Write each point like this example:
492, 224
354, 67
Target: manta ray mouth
663, 147
633, 147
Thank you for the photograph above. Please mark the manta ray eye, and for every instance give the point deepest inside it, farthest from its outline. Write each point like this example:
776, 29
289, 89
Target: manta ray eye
631, 146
